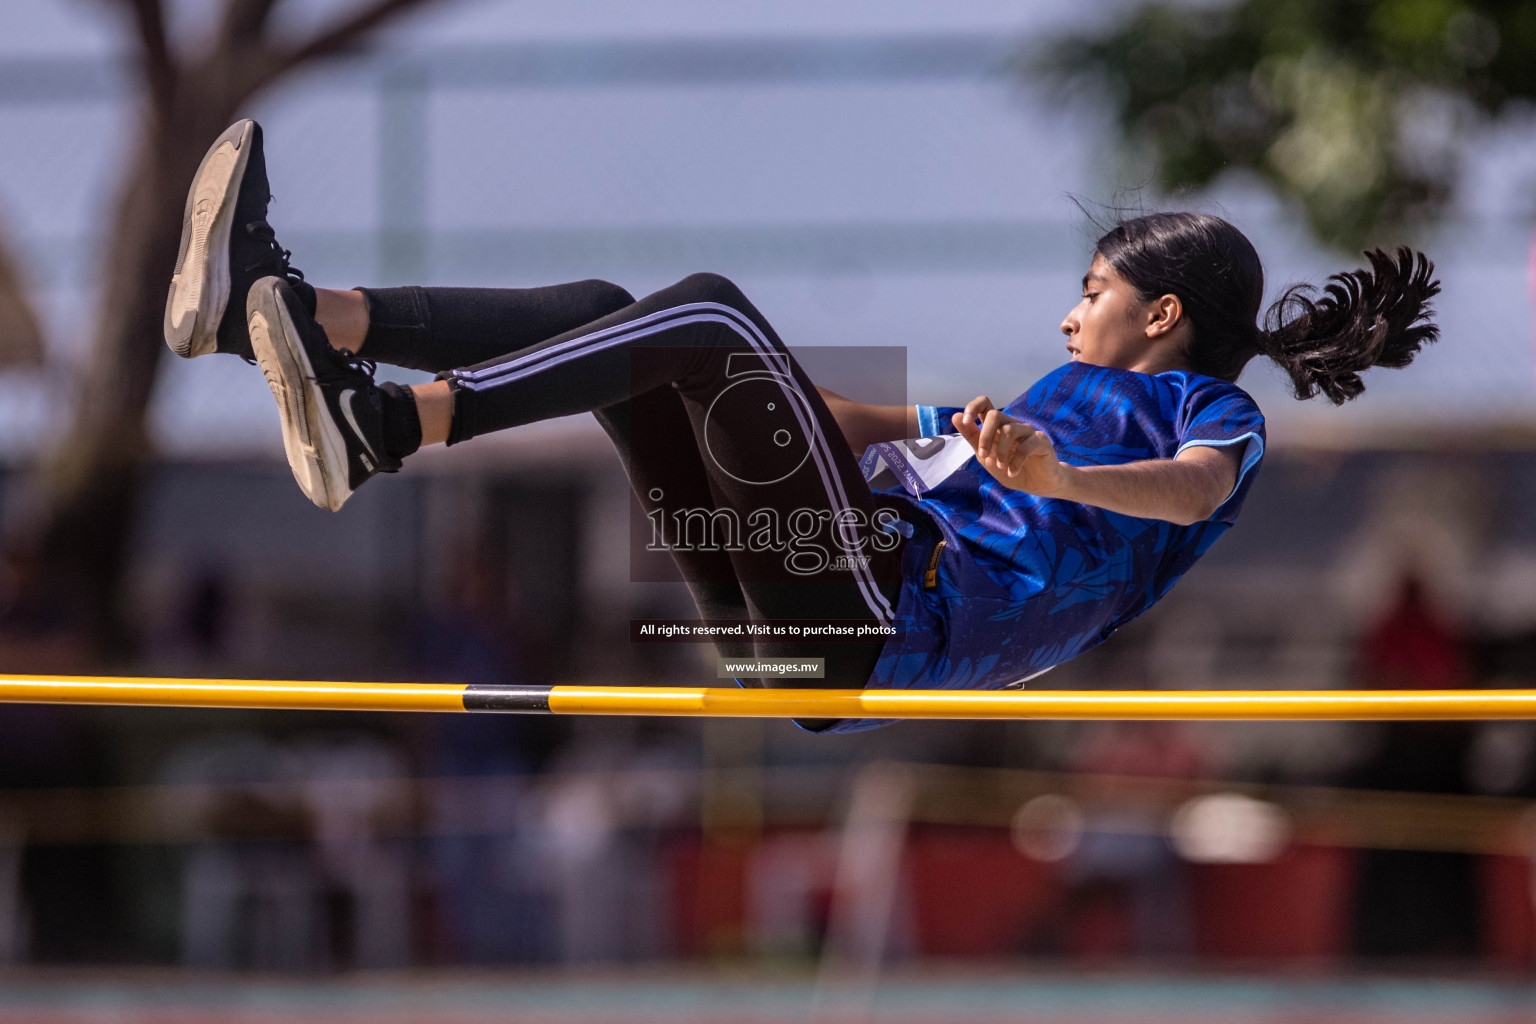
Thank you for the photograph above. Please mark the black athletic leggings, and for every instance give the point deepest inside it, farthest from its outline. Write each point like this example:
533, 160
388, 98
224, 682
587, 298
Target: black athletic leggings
741, 469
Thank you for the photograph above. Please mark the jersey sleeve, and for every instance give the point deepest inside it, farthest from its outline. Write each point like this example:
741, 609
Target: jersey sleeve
934, 420
1221, 415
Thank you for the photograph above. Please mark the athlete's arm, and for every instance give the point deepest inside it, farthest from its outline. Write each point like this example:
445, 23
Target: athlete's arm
1185, 489
864, 424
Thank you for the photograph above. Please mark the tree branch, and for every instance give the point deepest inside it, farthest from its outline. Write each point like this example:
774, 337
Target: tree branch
342, 34
244, 20
156, 62
21, 336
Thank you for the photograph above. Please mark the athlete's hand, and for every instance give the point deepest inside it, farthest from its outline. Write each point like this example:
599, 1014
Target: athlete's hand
1015, 453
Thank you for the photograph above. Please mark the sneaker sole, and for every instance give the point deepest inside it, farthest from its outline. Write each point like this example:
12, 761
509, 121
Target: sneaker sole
200, 286
316, 451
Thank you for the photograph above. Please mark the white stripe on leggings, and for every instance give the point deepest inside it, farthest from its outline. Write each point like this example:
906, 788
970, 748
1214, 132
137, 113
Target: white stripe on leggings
487, 374
488, 378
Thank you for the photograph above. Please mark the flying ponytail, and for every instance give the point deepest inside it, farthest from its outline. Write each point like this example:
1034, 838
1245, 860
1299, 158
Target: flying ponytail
1362, 318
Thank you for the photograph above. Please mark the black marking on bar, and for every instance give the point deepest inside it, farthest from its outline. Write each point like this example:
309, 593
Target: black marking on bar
526, 700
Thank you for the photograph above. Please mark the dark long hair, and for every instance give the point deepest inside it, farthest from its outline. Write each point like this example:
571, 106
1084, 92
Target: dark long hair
1323, 340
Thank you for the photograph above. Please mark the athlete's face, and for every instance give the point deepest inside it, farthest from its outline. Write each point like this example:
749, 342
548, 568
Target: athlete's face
1111, 326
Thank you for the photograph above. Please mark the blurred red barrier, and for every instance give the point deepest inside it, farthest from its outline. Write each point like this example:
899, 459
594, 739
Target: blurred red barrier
709, 895
973, 894
1296, 907
1509, 924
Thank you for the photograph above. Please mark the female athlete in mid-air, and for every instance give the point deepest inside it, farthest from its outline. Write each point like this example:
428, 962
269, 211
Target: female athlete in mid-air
1000, 541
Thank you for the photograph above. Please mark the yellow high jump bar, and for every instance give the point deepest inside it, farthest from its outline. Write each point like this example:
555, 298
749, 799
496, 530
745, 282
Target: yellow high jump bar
732, 702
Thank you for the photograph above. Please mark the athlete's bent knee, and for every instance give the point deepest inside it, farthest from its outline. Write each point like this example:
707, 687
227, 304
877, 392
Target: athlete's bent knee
603, 298
706, 287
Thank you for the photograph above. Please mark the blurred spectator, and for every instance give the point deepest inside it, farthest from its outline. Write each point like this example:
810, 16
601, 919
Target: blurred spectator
609, 809
1129, 890
484, 857
248, 899
205, 613
355, 792
295, 874
56, 904
1415, 902
1412, 648
35, 633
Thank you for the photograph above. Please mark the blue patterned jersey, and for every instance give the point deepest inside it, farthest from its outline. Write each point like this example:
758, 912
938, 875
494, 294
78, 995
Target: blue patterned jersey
1023, 582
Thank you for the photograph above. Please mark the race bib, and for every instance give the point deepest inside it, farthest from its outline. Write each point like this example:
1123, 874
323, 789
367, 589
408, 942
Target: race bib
918, 464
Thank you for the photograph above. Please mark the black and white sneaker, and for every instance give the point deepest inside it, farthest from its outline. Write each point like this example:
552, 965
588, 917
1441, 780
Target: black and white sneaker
226, 246
331, 410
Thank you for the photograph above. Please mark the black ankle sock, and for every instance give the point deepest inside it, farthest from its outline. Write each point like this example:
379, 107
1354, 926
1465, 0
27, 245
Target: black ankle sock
399, 326
402, 426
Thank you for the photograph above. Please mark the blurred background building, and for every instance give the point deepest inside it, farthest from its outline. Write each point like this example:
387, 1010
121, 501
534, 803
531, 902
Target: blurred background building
904, 174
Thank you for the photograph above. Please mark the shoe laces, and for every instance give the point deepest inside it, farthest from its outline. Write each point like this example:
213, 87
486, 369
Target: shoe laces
345, 363
262, 231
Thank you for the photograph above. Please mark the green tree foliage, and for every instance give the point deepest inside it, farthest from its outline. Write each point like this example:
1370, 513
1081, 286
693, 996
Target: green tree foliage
1353, 109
